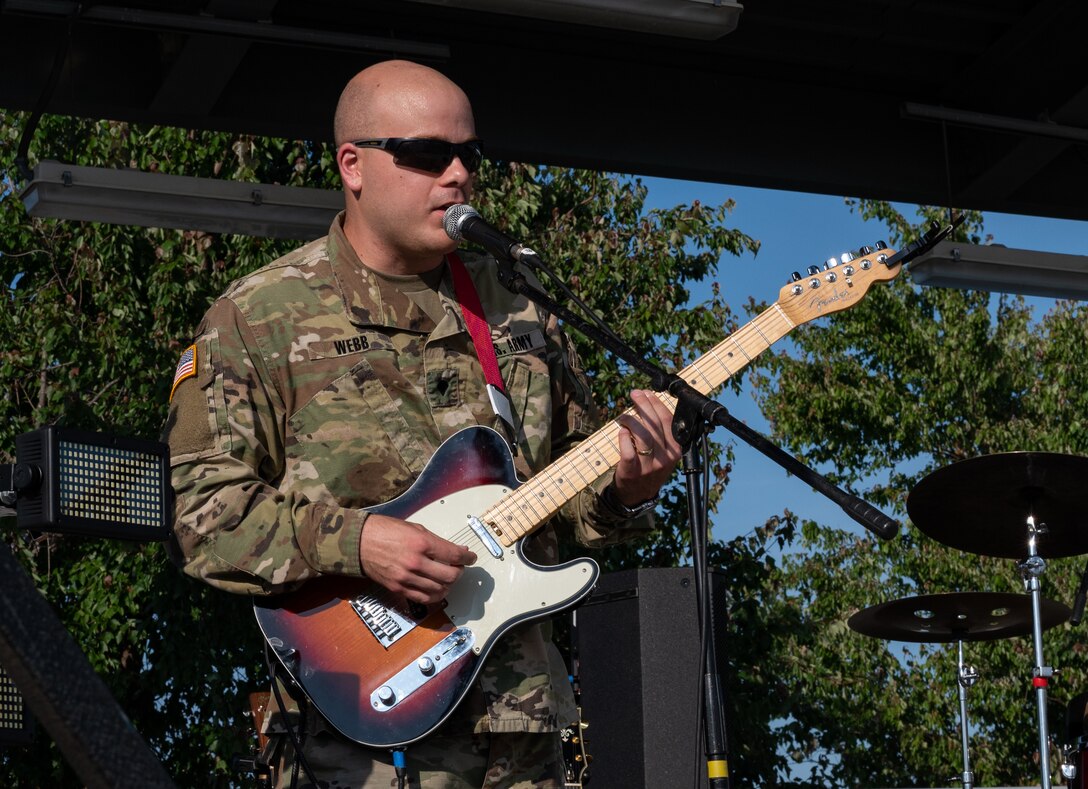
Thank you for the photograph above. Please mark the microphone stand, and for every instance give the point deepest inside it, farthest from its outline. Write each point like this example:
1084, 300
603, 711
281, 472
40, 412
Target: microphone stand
693, 413
694, 410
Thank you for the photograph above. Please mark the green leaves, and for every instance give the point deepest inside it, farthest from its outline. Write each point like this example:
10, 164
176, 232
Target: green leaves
908, 381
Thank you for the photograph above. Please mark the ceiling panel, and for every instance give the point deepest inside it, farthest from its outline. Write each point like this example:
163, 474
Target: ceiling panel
803, 95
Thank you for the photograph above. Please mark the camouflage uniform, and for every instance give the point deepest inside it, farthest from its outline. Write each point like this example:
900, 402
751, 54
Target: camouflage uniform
320, 388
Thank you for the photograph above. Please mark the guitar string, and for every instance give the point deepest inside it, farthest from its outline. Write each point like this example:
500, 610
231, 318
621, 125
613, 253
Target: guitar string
608, 434
514, 507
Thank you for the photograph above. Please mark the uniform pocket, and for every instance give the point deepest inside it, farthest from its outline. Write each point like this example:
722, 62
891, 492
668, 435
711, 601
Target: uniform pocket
353, 438
211, 379
528, 387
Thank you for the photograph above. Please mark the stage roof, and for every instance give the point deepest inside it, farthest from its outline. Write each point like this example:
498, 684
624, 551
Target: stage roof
835, 97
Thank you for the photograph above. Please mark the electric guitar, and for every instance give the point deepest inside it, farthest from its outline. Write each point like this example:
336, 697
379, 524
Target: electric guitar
572, 739
386, 674
575, 756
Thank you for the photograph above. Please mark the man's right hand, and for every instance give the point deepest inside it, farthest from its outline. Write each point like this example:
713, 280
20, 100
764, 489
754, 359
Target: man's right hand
409, 560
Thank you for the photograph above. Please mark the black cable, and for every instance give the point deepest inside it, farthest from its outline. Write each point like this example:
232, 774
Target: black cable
297, 738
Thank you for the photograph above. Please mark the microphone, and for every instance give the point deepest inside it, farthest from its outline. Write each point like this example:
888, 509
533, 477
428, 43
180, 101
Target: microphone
464, 223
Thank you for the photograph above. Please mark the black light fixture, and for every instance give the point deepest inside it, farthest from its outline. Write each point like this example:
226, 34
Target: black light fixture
78, 482
993, 267
57, 190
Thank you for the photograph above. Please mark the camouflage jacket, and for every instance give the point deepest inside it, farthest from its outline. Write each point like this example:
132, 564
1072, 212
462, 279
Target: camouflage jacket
318, 389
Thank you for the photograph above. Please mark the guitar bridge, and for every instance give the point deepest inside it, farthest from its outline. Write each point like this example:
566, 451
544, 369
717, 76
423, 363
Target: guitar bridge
386, 624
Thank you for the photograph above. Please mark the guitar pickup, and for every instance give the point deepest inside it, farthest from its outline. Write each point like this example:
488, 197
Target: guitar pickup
428, 666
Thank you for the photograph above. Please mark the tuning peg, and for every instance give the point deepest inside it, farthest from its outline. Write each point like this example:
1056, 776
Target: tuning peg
846, 257
795, 276
813, 270
831, 262
865, 250
881, 245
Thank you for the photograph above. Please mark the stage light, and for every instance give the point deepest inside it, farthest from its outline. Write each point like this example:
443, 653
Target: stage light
77, 482
132, 197
953, 264
700, 19
16, 722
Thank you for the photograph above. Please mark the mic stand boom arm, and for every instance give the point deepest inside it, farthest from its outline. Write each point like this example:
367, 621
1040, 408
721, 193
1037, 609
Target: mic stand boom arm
693, 405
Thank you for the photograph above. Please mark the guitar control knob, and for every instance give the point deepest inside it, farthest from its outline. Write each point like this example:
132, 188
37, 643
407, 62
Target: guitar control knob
426, 666
386, 695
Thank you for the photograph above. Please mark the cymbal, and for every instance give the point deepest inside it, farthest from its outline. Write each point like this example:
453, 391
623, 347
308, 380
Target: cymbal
981, 505
956, 616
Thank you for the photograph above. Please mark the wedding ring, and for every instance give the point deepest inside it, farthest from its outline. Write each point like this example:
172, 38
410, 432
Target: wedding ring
645, 452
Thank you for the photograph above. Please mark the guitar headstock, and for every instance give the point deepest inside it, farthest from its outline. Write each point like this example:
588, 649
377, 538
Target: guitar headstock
842, 282
837, 285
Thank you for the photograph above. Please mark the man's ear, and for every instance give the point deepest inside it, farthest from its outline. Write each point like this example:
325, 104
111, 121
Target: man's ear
348, 161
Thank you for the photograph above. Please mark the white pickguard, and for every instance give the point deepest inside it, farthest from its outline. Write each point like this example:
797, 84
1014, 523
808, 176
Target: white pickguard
494, 594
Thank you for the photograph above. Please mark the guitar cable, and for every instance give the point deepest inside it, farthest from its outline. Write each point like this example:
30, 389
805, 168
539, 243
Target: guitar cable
297, 737
400, 765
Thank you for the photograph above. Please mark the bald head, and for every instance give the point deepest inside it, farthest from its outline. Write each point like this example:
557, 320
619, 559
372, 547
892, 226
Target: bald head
391, 88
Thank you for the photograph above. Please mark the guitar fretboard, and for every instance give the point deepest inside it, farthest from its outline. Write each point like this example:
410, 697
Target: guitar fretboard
528, 507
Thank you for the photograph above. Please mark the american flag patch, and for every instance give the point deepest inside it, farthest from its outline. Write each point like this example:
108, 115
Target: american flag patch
185, 369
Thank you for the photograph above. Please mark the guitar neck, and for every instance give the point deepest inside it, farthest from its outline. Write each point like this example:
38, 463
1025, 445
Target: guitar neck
526, 508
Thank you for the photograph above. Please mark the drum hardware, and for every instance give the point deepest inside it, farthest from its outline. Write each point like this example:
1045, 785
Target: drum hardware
959, 617
1031, 569
968, 676
1068, 767
1021, 503
1074, 750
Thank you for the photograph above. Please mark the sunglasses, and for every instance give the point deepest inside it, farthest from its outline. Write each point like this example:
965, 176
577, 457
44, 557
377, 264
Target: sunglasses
434, 156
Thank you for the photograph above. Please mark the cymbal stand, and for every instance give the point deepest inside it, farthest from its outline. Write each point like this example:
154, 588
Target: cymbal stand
1030, 569
966, 676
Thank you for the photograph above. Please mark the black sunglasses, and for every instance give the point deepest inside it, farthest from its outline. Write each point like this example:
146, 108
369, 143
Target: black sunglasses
422, 153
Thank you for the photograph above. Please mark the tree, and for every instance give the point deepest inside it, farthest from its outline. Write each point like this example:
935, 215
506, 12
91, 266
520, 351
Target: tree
96, 318
909, 381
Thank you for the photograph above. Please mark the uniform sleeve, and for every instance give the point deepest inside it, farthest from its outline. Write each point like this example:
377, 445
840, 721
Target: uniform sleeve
593, 520
233, 527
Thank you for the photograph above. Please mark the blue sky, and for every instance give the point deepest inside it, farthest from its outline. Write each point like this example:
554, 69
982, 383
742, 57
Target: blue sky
797, 230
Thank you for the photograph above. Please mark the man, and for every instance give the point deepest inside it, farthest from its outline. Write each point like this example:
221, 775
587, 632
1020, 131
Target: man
322, 384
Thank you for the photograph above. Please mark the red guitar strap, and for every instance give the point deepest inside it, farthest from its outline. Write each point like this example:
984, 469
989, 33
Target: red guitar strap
480, 332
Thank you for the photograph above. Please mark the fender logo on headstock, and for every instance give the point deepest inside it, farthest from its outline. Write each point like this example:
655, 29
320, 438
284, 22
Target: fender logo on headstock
824, 299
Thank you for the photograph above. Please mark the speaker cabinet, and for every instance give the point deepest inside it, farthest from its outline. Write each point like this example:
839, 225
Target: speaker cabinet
640, 673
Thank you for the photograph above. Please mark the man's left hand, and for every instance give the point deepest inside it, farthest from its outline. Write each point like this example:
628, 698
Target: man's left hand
648, 451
